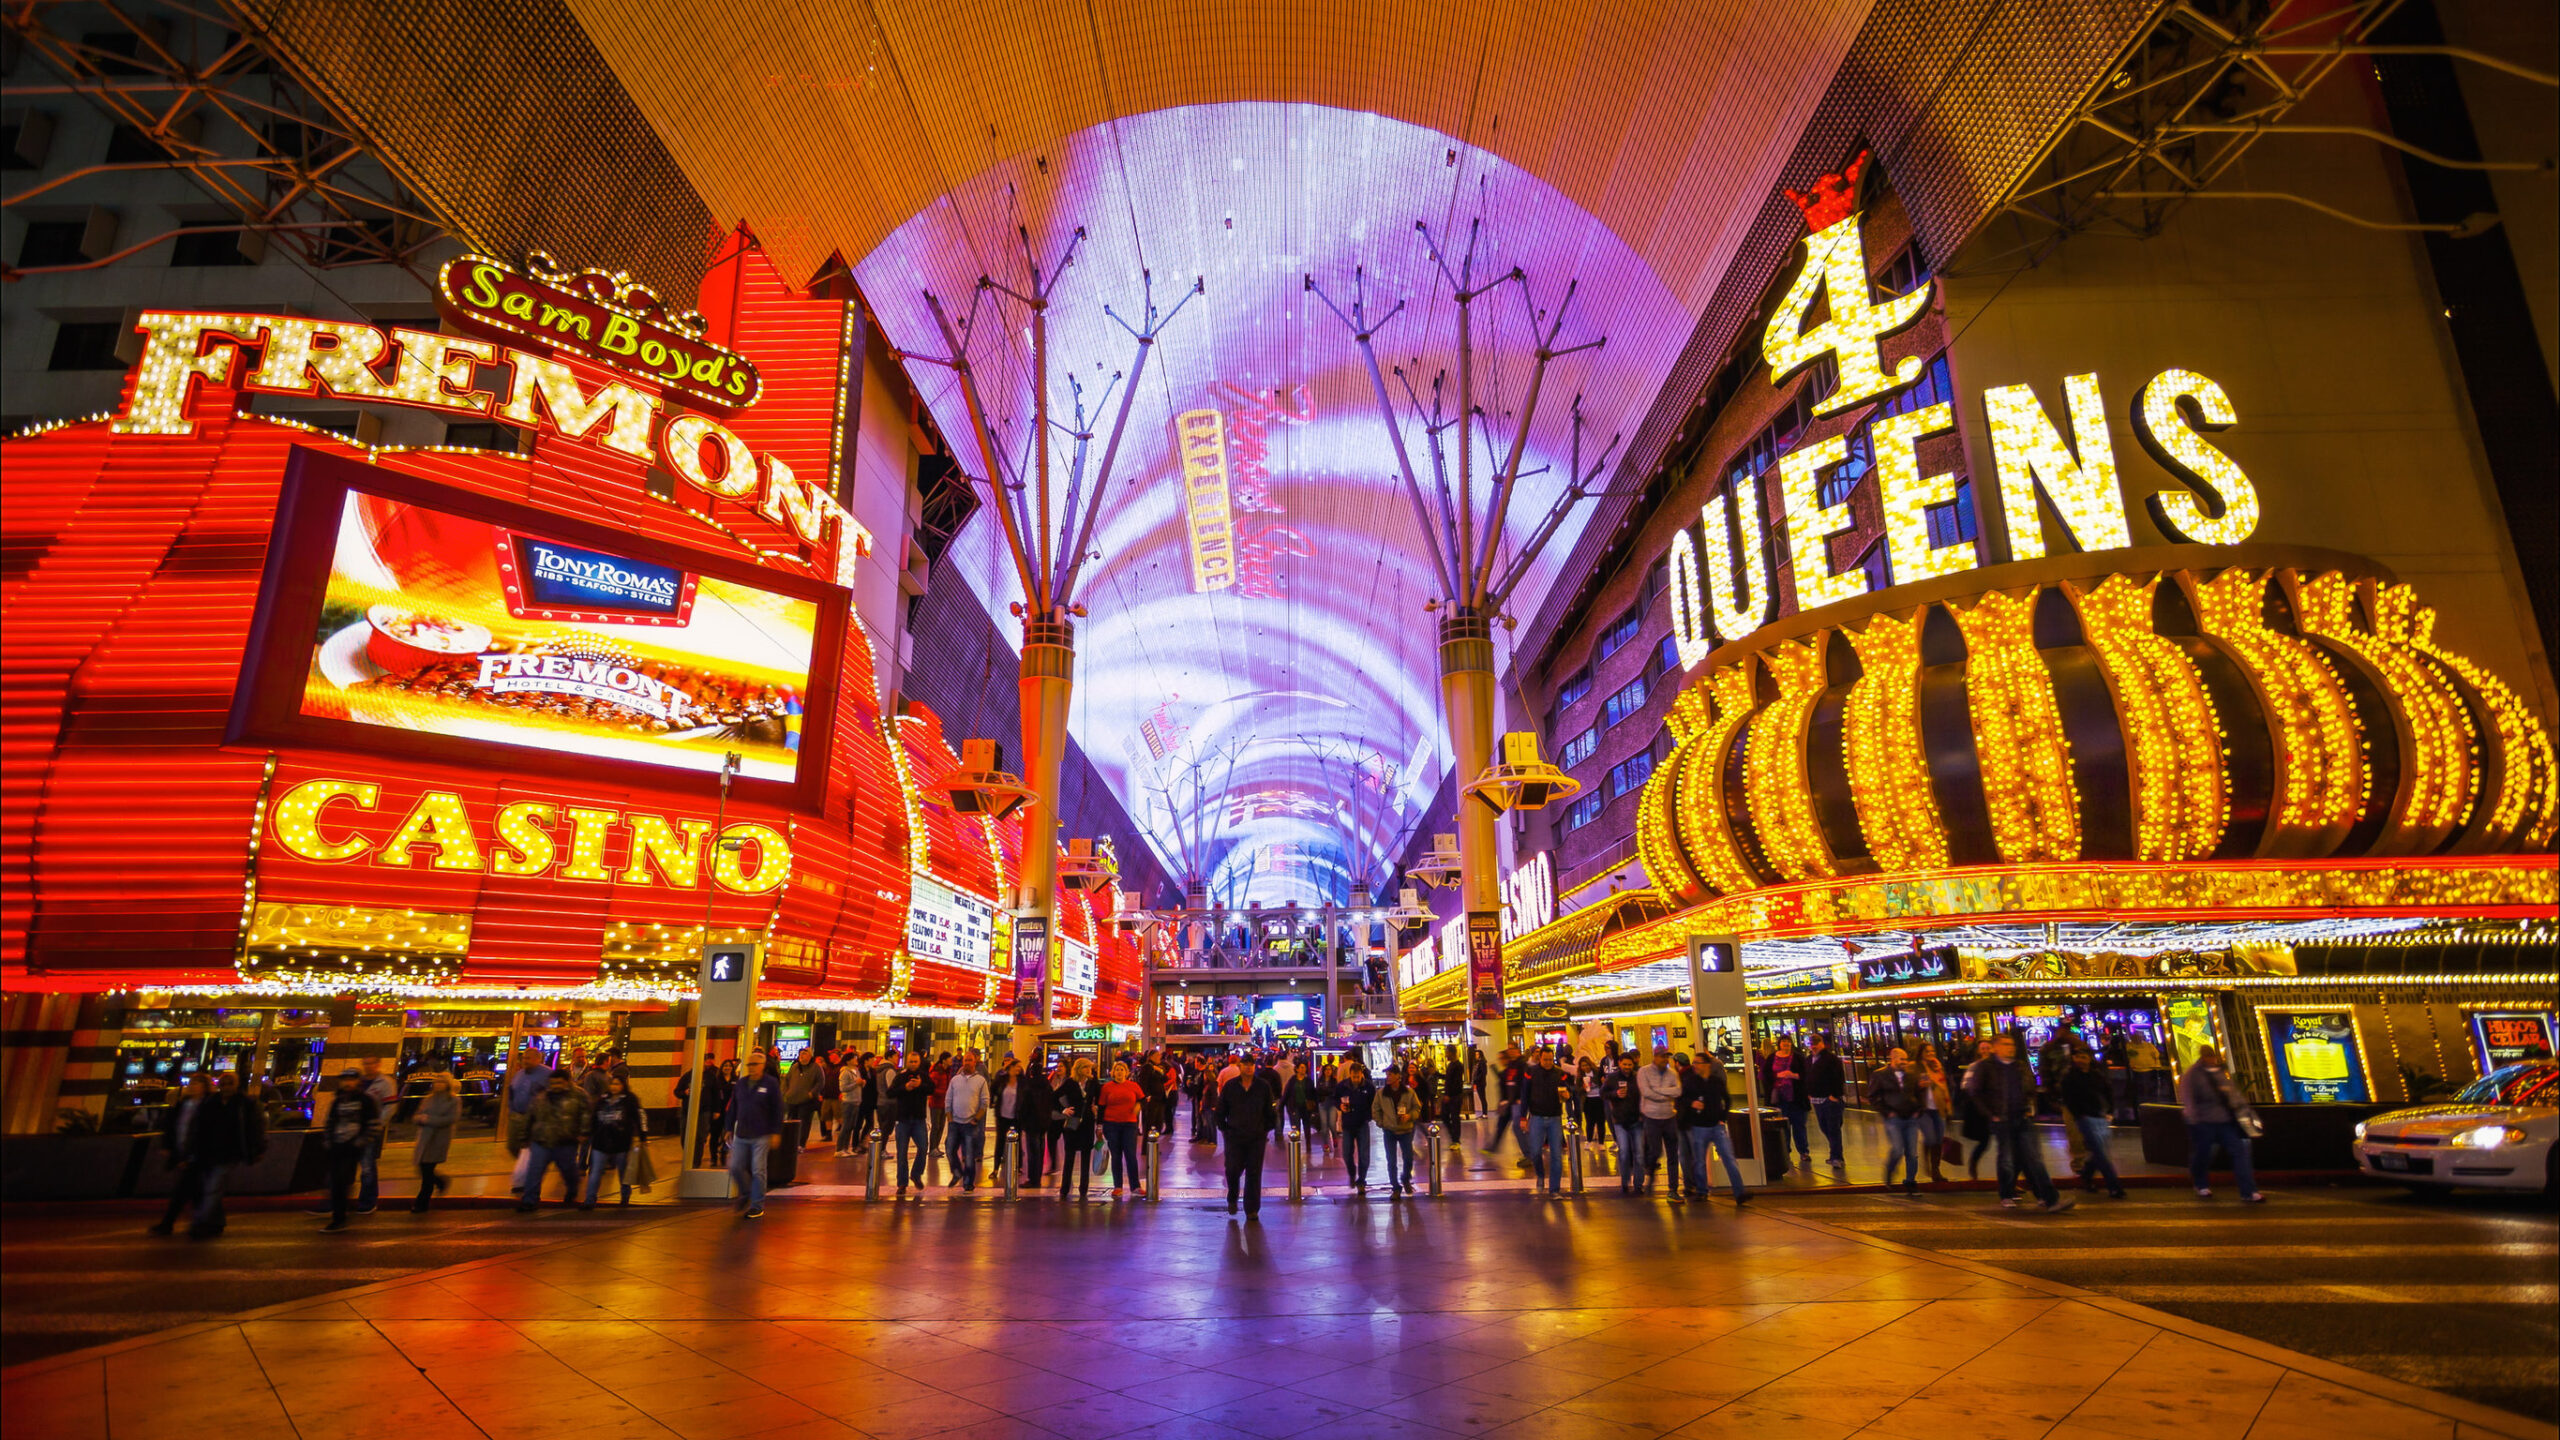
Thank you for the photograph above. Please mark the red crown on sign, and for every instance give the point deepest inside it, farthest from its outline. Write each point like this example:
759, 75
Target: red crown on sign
1833, 197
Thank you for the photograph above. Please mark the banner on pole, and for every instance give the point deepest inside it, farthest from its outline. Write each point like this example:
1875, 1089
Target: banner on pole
1484, 964
1030, 970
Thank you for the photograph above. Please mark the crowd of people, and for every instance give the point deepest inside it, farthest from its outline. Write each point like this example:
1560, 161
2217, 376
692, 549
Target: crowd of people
1658, 1118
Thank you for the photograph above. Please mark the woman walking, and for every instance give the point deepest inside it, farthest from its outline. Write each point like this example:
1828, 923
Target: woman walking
435, 1120
2218, 1116
1938, 1098
1121, 1103
1079, 1126
1787, 1079
618, 1125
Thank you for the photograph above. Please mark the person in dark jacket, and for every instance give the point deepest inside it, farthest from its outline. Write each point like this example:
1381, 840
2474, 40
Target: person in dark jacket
555, 1129
1475, 1075
1352, 1096
348, 1120
618, 1124
1827, 1086
211, 1129
1079, 1120
756, 1115
1705, 1108
2090, 1102
912, 1094
1625, 1107
1545, 1094
1999, 1083
1248, 1110
1897, 1091
1035, 1109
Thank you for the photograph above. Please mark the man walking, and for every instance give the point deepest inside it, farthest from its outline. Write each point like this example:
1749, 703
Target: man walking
911, 1091
1827, 1085
1397, 1109
1543, 1096
348, 1124
554, 1130
755, 1118
1998, 1083
1706, 1102
209, 1131
1248, 1110
2089, 1103
1896, 1093
964, 1100
1658, 1101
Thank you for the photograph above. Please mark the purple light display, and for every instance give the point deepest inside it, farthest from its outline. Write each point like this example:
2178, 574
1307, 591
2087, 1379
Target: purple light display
1303, 648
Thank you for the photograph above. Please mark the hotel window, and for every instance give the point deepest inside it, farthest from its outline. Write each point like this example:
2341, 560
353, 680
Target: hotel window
1583, 811
1666, 657
1620, 632
1657, 578
1630, 774
1575, 686
1580, 747
1625, 703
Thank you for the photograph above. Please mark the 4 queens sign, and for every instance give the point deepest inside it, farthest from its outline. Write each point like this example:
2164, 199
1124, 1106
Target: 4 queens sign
1722, 583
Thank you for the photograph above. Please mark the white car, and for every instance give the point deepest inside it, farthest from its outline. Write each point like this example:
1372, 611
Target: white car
2497, 1134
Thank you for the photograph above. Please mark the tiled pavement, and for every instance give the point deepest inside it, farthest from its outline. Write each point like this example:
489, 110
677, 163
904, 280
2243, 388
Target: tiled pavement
1489, 1314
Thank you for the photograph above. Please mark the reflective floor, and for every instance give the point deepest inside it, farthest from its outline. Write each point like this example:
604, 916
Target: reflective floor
1483, 1313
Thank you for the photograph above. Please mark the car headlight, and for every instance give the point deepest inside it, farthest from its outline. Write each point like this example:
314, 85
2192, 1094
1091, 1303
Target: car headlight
2490, 1137
2359, 1129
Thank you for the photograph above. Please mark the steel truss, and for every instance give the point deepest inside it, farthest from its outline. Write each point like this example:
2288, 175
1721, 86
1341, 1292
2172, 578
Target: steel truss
196, 82
2192, 97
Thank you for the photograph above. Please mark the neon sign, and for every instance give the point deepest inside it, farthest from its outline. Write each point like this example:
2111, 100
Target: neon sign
321, 821
1203, 438
352, 360
1722, 587
608, 318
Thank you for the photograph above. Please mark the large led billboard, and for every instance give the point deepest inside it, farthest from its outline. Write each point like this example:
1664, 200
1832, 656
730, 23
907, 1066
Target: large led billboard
443, 624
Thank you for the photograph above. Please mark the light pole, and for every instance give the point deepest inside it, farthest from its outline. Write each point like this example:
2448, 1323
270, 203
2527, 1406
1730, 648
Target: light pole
1465, 551
1049, 547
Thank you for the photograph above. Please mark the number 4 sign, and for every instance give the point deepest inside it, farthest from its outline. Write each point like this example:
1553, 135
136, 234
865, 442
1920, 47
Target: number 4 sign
1835, 266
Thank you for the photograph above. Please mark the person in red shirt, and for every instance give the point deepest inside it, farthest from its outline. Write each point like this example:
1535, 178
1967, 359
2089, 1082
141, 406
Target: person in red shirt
1121, 1103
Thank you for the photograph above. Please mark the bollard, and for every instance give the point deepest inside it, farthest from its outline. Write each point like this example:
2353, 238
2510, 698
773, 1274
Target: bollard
871, 1167
1007, 1143
1573, 1156
1297, 1141
1431, 1141
1155, 1166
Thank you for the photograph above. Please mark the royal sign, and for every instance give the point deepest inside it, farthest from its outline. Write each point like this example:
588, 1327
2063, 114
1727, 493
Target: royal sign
1722, 584
606, 317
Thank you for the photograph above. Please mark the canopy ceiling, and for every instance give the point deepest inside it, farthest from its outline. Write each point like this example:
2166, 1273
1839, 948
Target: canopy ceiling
1623, 147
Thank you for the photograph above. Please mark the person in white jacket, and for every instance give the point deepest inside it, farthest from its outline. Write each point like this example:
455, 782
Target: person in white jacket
1658, 1098
964, 1101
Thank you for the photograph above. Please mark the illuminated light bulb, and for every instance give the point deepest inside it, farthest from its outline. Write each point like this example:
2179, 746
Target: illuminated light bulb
1703, 829
2527, 799
1811, 524
1776, 785
1888, 766
2439, 764
1907, 497
2173, 733
2223, 508
2322, 776
2027, 780
2078, 476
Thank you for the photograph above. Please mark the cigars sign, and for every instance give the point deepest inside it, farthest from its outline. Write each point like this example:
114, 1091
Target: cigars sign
1804, 511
